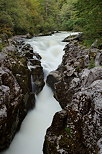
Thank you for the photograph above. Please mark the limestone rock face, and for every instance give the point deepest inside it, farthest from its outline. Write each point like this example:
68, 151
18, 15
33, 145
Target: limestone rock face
52, 78
16, 94
37, 78
77, 129
36, 70
12, 107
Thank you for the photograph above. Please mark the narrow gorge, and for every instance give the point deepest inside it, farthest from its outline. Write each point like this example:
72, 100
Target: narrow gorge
51, 99
50, 76
18, 68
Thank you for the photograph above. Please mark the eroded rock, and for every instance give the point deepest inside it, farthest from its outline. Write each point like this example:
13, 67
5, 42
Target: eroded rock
77, 129
12, 107
16, 95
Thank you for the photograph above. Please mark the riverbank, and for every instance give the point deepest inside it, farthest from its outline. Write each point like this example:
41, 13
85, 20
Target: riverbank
21, 77
39, 119
77, 86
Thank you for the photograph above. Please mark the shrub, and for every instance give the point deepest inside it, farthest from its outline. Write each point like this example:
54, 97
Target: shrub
92, 63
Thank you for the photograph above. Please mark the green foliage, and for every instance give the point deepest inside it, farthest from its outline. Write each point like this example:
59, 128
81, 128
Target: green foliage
89, 19
87, 41
67, 15
68, 131
69, 25
92, 63
1, 47
35, 16
41, 16
19, 16
6, 25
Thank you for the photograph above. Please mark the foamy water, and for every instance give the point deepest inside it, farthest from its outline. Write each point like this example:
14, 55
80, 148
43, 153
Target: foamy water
30, 138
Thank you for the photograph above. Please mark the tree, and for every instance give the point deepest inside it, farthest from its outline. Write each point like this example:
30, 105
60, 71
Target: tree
89, 18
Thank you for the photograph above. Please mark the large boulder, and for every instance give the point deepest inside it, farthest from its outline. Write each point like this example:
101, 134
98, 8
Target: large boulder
37, 78
52, 78
78, 37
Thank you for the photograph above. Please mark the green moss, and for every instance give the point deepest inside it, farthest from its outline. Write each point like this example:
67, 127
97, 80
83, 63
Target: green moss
67, 143
78, 69
68, 131
88, 43
1, 47
92, 63
20, 70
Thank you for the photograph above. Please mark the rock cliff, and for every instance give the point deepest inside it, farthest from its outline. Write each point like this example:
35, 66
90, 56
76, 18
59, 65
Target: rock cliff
18, 65
77, 85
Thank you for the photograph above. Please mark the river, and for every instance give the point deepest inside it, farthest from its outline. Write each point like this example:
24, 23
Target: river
30, 138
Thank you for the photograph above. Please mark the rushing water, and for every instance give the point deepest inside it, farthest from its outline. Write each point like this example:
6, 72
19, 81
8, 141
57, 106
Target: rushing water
30, 138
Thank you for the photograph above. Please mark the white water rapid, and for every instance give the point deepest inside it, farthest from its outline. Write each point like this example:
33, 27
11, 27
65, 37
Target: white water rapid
30, 138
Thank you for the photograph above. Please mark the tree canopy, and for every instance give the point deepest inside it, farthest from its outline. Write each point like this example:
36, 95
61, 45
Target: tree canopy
89, 18
37, 16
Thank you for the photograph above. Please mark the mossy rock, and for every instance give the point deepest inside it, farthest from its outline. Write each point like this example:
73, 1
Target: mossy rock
1, 47
23, 81
18, 68
92, 63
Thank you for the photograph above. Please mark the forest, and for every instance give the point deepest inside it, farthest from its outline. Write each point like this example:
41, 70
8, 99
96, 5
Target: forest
41, 16
50, 76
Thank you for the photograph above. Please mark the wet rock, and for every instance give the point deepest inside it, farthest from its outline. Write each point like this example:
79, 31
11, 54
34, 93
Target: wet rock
46, 33
33, 58
27, 51
15, 94
37, 78
52, 78
17, 41
18, 66
35, 61
29, 55
27, 47
19, 63
77, 37
74, 62
63, 85
35, 54
30, 97
80, 132
36, 70
77, 129
10, 48
98, 59
12, 107
86, 61
28, 36
88, 76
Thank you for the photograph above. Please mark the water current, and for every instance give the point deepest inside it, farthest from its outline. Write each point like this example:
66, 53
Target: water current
30, 138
